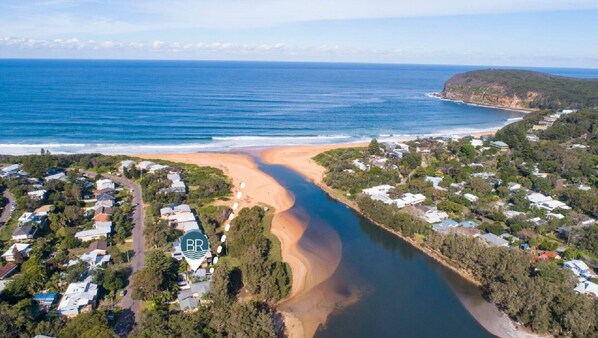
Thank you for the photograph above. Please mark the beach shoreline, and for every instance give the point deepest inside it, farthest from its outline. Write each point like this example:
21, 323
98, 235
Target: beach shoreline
300, 159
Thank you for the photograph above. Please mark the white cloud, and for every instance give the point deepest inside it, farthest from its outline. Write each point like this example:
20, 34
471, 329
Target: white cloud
110, 17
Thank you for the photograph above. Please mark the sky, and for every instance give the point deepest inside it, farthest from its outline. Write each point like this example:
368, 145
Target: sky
540, 33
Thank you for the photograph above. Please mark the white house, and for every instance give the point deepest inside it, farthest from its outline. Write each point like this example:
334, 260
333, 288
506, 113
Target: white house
587, 288
104, 184
359, 164
553, 204
514, 186
59, 176
126, 164
537, 198
378, 190
145, 165
79, 297
413, 199
37, 194
9, 170
101, 229
433, 215
476, 142
578, 267
23, 248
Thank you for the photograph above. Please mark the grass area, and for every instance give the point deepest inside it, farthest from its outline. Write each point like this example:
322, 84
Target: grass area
275, 251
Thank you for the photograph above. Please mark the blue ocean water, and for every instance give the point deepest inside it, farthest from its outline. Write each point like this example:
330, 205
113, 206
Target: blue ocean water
148, 106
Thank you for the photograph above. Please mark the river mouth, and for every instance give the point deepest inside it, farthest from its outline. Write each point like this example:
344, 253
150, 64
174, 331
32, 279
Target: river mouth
381, 286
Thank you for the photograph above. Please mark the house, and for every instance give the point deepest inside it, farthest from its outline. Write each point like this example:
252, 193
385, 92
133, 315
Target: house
587, 288
537, 198
553, 204
98, 247
104, 184
79, 297
190, 299
45, 300
471, 197
433, 215
126, 164
500, 145
145, 165
37, 195
32, 217
513, 186
44, 210
494, 240
102, 214
359, 164
10, 170
105, 196
379, 162
378, 190
579, 268
177, 253
93, 259
468, 224
413, 199
445, 225
584, 187
59, 176
22, 248
104, 204
101, 230
24, 233
476, 142
8, 269
422, 150
157, 167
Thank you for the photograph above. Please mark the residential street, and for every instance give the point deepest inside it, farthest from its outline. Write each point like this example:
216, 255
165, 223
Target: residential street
6, 212
131, 313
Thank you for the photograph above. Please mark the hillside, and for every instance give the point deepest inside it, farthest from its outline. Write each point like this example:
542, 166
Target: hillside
522, 89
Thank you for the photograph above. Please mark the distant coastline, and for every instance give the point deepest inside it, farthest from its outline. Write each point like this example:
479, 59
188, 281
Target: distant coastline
438, 95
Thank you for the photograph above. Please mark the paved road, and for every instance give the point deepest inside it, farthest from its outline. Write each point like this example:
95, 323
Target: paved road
7, 211
127, 303
131, 308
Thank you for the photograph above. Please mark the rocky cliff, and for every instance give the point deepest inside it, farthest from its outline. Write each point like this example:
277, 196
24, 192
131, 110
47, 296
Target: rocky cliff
520, 89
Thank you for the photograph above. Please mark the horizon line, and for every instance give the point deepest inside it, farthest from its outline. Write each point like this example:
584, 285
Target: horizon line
295, 61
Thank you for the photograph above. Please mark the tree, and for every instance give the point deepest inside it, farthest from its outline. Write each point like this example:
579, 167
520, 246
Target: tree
146, 284
374, 147
88, 325
467, 151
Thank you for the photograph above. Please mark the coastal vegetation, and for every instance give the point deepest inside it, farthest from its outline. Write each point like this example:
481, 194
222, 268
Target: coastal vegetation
521, 89
489, 185
244, 288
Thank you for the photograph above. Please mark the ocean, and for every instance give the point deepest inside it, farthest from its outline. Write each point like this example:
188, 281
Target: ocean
108, 106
